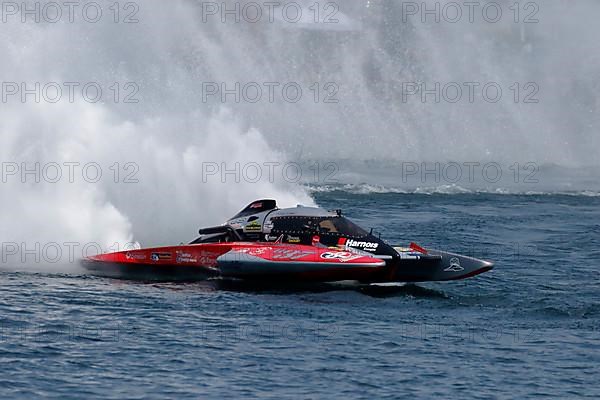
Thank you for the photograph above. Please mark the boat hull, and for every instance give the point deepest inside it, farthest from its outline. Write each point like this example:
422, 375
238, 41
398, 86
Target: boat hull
147, 272
249, 261
435, 265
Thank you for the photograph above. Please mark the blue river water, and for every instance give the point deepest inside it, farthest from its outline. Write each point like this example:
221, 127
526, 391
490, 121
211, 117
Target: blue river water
528, 329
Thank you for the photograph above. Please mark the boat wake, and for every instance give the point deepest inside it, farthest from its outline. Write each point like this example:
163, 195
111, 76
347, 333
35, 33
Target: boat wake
368, 189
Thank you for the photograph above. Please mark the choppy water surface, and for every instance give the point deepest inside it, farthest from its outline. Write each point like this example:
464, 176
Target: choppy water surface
528, 329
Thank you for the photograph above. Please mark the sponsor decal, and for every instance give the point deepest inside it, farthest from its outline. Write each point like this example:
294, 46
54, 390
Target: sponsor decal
367, 246
258, 251
268, 226
290, 254
342, 256
208, 258
253, 226
271, 238
293, 239
454, 265
160, 256
254, 251
135, 256
183, 257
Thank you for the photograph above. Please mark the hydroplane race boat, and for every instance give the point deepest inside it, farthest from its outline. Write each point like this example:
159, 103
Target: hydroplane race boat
301, 244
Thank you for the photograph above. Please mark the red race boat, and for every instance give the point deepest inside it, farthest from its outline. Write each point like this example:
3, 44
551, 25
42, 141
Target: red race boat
302, 244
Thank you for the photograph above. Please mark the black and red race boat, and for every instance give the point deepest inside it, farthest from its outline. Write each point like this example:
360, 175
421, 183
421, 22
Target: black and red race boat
301, 244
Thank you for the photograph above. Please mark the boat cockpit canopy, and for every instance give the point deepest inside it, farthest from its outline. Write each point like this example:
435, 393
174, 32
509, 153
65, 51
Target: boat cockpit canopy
335, 225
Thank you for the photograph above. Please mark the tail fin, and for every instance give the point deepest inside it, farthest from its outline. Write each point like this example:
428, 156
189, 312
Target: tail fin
256, 207
416, 247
